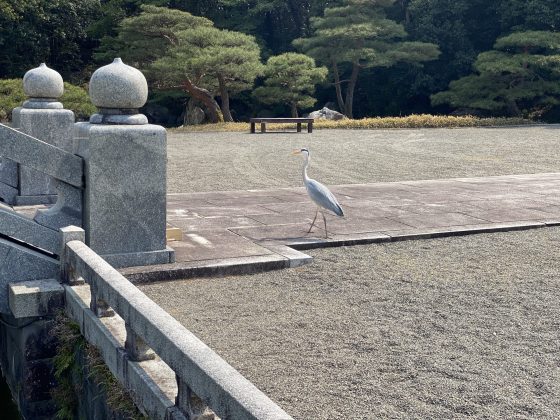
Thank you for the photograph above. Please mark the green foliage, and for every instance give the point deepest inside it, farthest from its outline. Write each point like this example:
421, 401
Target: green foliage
75, 98
363, 42
144, 38
359, 33
188, 52
204, 53
291, 79
51, 31
518, 78
70, 372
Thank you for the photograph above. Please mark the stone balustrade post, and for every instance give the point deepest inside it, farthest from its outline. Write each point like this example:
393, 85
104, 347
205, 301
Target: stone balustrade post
67, 274
190, 404
138, 350
125, 158
42, 117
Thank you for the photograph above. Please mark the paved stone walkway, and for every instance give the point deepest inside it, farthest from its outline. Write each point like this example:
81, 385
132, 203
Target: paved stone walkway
234, 232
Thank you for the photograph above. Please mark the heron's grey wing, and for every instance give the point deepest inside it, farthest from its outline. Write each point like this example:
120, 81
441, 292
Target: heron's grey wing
323, 197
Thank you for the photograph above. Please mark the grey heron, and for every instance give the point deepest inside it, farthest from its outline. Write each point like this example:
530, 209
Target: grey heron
318, 193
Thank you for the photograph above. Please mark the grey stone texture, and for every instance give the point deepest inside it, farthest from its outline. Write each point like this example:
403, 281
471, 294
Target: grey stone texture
52, 126
44, 118
18, 264
8, 193
219, 385
26, 230
35, 298
8, 173
326, 114
125, 193
43, 82
41, 156
66, 212
118, 86
26, 351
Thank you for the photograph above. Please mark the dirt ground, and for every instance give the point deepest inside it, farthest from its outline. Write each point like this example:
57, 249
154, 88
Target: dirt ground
443, 328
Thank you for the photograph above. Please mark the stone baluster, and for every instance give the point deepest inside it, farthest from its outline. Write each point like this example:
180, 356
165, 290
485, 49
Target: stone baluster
137, 349
125, 160
44, 117
190, 404
67, 273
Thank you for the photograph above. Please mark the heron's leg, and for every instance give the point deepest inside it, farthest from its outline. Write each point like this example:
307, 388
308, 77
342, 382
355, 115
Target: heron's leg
325, 220
313, 222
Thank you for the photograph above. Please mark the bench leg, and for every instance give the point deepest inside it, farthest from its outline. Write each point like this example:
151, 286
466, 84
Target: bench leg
252, 128
299, 127
310, 127
263, 127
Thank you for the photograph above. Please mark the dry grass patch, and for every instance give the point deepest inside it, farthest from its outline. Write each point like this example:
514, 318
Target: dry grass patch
411, 121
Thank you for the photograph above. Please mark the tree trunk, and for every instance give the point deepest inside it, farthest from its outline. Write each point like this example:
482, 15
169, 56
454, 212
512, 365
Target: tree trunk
338, 87
513, 109
349, 112
224, 95
294, 110
206, 98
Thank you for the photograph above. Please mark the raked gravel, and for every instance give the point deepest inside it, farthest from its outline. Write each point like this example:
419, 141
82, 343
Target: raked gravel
443, 328
239, 161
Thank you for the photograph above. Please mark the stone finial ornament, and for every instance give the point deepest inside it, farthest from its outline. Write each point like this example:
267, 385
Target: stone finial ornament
118, 90
43, 82
43, 86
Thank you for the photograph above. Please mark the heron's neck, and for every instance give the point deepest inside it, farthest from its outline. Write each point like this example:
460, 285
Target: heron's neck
305, 165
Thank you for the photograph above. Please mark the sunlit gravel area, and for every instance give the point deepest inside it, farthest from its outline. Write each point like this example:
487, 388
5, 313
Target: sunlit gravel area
442, 328
238, 161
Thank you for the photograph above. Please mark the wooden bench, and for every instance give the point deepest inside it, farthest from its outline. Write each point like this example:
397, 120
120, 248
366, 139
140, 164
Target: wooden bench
298, 121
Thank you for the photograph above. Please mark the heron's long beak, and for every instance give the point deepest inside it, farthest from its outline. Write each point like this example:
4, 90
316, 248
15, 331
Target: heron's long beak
296, 152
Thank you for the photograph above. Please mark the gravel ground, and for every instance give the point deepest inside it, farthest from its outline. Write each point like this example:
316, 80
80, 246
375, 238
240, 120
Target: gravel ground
232, 161
442, 328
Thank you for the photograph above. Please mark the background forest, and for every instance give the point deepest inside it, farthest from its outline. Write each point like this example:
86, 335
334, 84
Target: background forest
242, 58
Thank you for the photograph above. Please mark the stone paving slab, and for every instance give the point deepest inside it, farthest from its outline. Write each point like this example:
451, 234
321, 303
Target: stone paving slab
260, 224
227, 232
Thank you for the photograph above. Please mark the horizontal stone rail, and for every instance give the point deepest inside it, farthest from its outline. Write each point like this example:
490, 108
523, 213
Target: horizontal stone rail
41, 156
23, 229
149, 329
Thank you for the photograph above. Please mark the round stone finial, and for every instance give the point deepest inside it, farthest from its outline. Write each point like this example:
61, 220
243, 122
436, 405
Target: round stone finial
118, 86
43, 82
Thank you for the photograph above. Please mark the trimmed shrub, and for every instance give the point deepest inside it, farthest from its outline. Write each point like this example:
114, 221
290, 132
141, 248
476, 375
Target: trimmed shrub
411, 121
75, 98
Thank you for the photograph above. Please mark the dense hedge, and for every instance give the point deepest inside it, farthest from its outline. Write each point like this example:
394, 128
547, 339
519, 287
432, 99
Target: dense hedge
75, 98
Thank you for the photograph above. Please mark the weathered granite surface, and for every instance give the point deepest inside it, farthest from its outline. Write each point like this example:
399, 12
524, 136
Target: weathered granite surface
22, 264
118, 86
25, 229
41, 156
43, 82
35, 297
52, 126
125, 193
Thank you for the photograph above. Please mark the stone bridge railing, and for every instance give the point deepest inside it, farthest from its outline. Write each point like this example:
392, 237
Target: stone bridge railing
169, 372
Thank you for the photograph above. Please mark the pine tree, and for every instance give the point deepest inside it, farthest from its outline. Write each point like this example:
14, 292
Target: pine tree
291, 79
222, 61
519, 77
360, 35
179, 50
